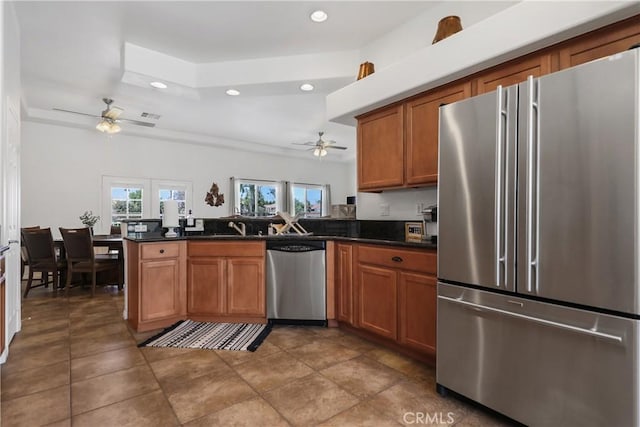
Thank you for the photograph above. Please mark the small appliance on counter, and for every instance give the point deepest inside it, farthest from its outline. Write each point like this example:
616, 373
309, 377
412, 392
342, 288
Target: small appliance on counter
430, 219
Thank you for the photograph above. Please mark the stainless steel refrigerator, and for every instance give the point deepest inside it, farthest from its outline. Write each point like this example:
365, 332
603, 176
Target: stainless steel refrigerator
539, 247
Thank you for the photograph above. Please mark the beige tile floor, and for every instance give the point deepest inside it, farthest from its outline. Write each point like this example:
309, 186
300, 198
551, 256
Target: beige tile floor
76, 362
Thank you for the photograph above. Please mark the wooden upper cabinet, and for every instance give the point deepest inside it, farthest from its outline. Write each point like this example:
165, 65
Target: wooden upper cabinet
422, 132
381, 149
513, 72
600, 43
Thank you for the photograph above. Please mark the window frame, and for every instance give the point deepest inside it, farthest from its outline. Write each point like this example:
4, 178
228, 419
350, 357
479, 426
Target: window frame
109, 182
238, 182
166, 184
306, 187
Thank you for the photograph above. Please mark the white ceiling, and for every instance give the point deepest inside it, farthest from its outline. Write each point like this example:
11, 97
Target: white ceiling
73, 55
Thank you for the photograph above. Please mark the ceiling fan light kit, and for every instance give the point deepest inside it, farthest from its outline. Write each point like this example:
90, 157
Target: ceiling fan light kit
108, 126
109, 118
320, 146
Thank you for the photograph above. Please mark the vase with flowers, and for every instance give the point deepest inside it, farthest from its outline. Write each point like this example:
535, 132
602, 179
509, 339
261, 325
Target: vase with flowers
89, 219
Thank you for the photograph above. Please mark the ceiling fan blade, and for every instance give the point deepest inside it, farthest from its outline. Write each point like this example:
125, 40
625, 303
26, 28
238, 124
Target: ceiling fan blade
137, 122
304, 143
337, 147
112, 113
76, 112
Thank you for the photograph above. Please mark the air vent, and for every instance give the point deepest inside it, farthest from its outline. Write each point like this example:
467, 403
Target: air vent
151, 116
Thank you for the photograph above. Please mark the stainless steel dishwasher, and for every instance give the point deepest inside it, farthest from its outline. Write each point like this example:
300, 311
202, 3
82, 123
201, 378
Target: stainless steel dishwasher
296, 282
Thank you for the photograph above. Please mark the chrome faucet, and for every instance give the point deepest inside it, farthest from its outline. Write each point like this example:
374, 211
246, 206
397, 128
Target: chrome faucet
242, 229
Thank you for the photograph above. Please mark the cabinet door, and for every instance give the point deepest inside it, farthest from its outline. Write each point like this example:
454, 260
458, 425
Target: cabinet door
381, 149
600, 43
378, 300
417, 310
422, 117
344, 275
206, 286
513, 72
246, 286
160, 293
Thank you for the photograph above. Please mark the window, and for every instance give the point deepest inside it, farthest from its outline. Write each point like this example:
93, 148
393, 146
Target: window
257, 198
137, 198
126, 203
306, 199
171, 190
123, 198
254, 197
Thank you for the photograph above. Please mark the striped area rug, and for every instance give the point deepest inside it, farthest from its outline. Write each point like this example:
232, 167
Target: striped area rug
211, 336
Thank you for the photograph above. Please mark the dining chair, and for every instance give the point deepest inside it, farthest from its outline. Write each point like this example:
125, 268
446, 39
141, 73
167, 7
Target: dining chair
41, 256
81, 257
24, 258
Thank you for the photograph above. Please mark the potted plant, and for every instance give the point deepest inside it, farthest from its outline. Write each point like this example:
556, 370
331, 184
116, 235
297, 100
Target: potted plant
89, 219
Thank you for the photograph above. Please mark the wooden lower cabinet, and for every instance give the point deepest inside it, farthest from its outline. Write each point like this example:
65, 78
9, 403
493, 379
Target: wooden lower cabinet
417, 309
246, 286
395, 290
344, 282
206, 290
156, 289
377, 300
226, 281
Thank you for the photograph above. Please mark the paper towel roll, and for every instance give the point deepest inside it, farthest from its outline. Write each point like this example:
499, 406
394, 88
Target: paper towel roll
170, 216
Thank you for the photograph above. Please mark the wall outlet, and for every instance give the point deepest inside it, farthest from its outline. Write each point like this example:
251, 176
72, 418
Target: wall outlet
385, 210
419, 208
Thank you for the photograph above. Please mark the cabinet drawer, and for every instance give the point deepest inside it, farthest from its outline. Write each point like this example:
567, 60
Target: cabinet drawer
407, 259
160, 250
227, 249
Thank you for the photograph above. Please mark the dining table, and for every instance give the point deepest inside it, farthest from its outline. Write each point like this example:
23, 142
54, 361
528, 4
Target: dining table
111, 241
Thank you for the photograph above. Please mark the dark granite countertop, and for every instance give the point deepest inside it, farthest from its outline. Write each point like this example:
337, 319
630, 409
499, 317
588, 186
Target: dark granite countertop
222, 237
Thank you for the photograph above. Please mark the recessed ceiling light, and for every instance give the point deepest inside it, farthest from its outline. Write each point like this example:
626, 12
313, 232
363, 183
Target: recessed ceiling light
306, 87
319, 16
233, 92
158, 85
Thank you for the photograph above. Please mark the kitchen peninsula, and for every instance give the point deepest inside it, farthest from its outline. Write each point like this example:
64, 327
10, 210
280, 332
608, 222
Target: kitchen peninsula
383, 289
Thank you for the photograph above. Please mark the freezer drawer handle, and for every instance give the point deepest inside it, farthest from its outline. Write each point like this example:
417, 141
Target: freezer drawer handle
535, 319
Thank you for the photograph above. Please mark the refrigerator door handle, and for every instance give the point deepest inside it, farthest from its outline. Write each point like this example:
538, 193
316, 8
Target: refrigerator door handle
500, 192
550, 323
533, 180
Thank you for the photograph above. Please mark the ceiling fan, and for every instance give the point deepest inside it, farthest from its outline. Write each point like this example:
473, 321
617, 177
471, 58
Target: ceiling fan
109, 118
320, 146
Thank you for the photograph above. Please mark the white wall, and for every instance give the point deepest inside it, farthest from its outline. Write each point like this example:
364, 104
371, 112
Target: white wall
402, 203
419, 32
62, 169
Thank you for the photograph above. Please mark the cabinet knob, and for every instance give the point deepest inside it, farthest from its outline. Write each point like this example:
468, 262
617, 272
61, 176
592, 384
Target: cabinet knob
396, 259
161, 251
